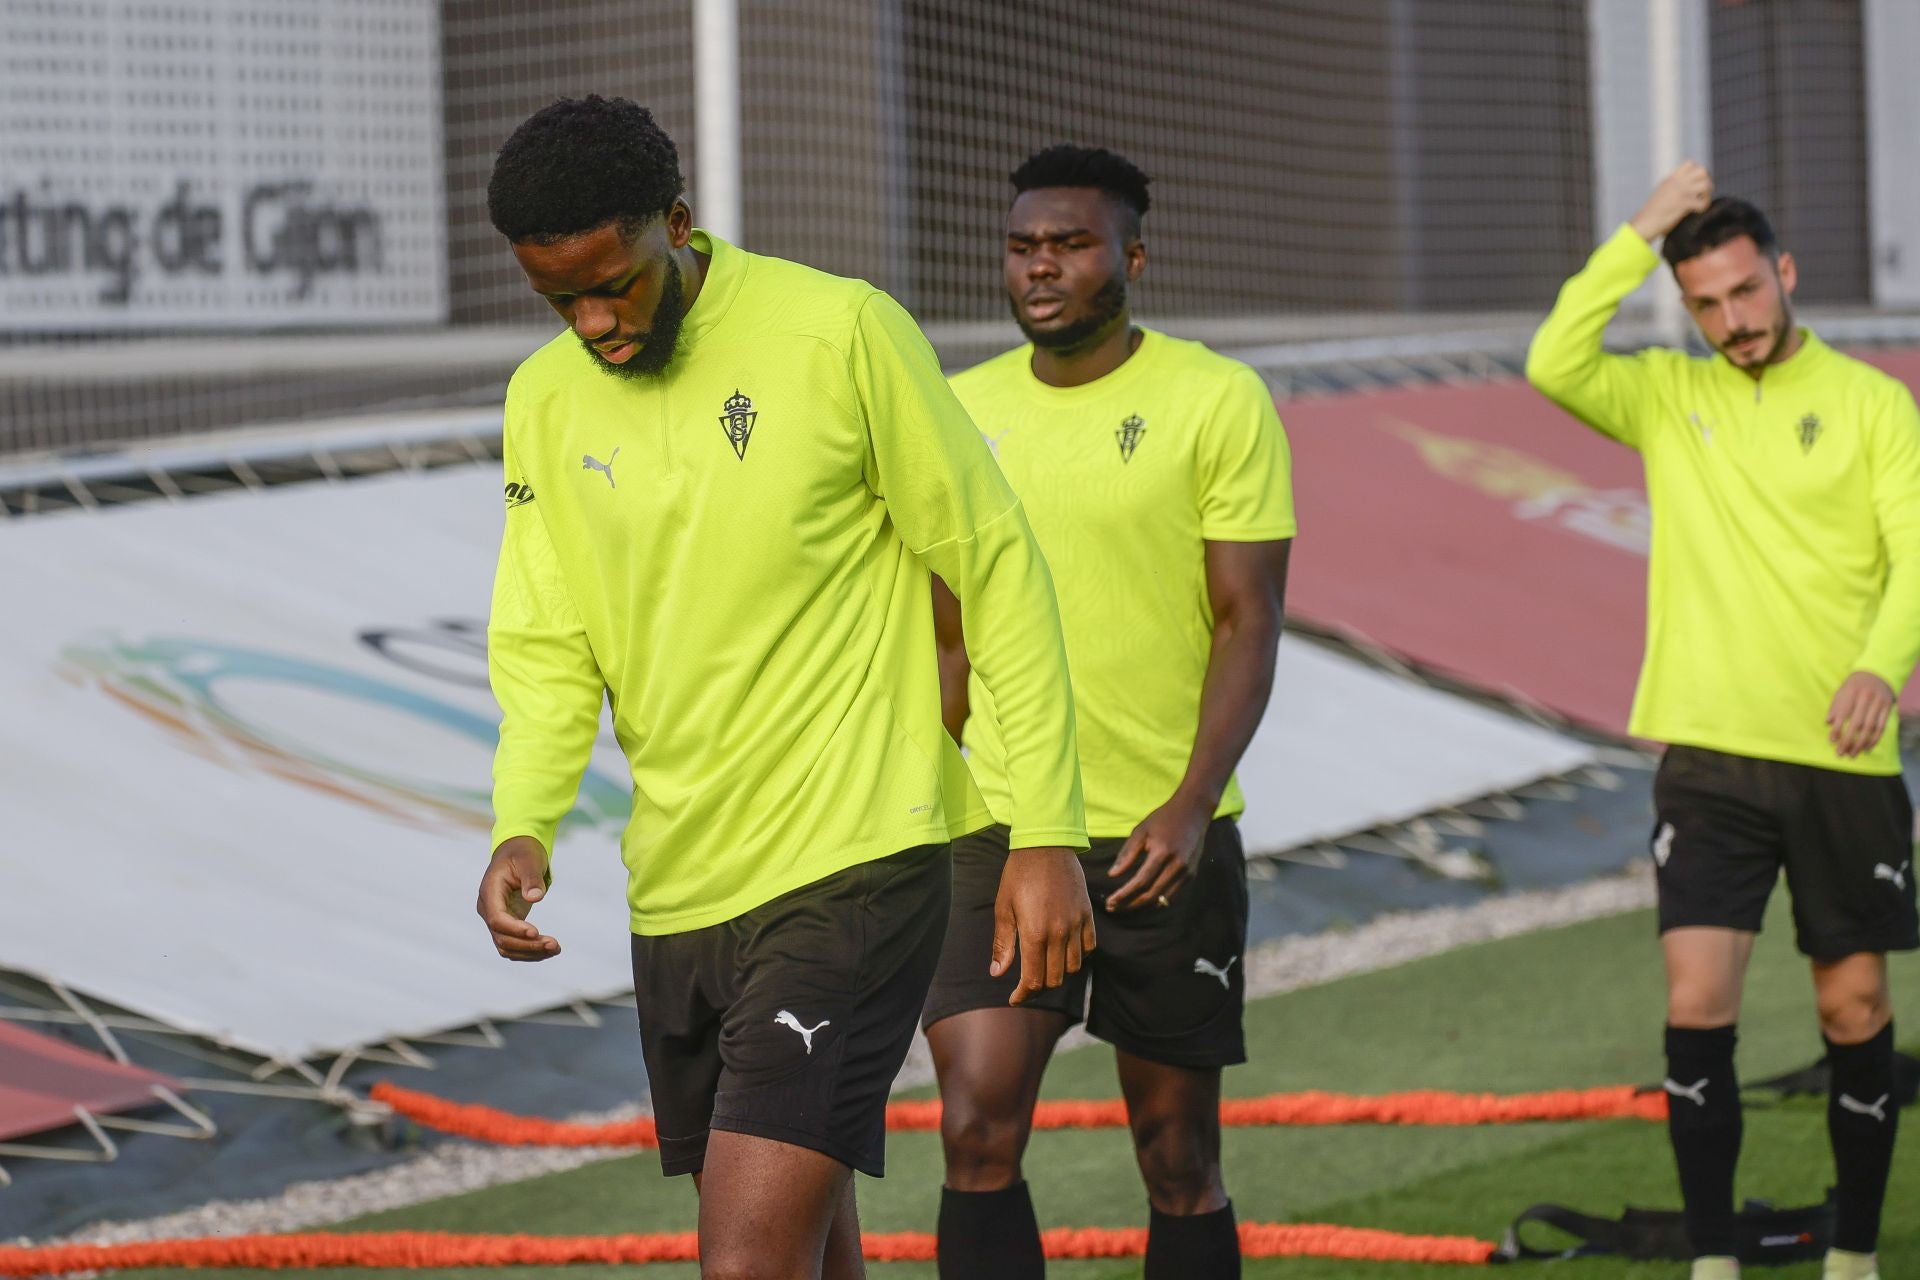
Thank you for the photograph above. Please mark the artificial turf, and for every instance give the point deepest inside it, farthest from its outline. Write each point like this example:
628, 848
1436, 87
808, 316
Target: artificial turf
1566, 1008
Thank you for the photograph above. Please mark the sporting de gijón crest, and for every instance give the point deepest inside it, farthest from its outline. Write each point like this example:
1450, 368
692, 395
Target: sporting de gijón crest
737, 417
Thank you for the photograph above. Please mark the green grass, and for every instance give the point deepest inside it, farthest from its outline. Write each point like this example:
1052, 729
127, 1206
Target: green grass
1572, 1007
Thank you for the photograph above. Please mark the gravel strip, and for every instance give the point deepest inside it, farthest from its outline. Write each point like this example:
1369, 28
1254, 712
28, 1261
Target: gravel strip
1286, 964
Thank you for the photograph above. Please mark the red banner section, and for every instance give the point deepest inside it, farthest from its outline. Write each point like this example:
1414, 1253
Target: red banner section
43, 1082
1480, 532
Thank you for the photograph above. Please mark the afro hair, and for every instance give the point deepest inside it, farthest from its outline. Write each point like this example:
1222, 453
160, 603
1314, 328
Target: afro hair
579, 164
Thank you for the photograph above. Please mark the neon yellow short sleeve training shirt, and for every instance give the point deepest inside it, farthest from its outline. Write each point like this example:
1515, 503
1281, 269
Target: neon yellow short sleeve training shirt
1125, 480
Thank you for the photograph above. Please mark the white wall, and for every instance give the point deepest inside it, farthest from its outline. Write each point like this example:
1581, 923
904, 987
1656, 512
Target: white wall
1632, 147
1893, 149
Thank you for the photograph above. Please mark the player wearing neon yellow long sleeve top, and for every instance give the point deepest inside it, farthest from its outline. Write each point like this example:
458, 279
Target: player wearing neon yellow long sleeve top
1786, 534
740, 552
1783, 617
727, 487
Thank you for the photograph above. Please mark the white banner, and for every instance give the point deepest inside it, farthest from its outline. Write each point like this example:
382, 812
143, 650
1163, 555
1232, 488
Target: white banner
244, 750
229, 163
244, 764
1344, 748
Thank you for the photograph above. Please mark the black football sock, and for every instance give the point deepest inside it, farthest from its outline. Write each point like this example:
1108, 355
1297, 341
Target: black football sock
989, 1233
1862, 1115
1202, 1246
1703, 1121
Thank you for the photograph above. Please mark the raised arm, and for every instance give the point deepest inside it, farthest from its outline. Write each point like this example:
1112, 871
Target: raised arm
1567, 361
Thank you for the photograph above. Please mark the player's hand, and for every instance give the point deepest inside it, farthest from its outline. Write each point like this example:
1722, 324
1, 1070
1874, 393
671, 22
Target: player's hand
1688, 189
1042, 907
515, 880
1161, 853
1859, 714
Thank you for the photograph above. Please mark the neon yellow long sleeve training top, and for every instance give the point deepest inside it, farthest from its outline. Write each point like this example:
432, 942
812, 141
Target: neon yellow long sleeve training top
737, 552
1786, 523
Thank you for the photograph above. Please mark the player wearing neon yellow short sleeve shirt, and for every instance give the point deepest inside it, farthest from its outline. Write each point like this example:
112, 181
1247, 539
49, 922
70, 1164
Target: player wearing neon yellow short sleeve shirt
1783, 615
1156, 475
1123, 479
726, 486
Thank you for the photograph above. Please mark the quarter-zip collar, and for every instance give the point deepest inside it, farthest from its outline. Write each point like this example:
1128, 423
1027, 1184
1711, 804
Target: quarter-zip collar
1798, 370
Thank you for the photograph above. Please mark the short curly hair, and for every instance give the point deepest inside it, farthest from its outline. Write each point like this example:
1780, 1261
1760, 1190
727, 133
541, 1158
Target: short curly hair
579, 164
1066, 165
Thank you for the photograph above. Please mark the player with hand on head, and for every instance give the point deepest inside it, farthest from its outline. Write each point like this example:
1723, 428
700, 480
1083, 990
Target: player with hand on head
1157, 478
727, 483
1783, 617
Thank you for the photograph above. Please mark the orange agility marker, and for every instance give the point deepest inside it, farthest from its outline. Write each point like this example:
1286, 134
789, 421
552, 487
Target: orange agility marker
488, 1124
1438, 1107
1419, 1107
424, 1249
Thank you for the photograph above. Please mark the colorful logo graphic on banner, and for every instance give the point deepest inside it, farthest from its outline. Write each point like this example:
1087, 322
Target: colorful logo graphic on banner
1538, 489
187, 685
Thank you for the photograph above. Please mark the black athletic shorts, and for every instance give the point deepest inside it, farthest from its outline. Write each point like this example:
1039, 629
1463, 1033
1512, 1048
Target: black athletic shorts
791, 1021
1725, 825
1166, 981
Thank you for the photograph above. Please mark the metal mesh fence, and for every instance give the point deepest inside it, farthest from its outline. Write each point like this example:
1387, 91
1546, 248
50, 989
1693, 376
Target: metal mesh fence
1322, 155
1789, 132
501, 62
1324, 169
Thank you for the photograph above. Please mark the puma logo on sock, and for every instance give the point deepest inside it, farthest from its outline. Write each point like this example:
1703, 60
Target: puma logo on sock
1696, 1092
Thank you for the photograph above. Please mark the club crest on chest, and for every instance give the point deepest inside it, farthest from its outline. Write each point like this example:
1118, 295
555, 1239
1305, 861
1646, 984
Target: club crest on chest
737, 417
1809, 431
1129, 434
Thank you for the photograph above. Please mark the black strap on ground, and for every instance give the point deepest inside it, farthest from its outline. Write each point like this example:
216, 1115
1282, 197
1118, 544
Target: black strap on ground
1766, 1234
1815, 1080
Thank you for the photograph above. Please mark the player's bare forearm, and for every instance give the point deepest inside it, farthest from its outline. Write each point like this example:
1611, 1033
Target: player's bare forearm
1247, 587
950, 642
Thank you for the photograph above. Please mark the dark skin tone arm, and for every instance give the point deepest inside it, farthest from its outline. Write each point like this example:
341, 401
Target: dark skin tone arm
1246, 587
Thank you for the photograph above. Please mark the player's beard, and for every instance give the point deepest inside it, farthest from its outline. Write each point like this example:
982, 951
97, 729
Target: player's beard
1108, 301
1779, 333
653, 353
